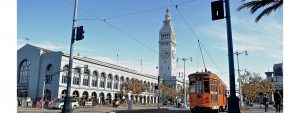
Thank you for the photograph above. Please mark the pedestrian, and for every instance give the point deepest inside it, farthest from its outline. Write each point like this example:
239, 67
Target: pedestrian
266, 102
19, 101
27, 101
277, 99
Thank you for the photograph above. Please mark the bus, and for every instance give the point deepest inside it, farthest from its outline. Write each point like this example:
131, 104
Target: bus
207, 92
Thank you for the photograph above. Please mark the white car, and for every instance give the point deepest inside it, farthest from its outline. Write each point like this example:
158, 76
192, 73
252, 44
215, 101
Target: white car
60, 104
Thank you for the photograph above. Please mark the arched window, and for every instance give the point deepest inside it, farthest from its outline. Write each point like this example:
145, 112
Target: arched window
102, 80
64, 76
121, 83
63, 93
109, 80
49, 72
85, 95
127, 79
23, 78
152, 87
76, 76
86, 77
116, 80
95, 79
149, 87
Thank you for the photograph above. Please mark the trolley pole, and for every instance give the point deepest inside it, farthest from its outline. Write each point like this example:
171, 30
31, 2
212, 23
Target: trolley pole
233, 101
67, 108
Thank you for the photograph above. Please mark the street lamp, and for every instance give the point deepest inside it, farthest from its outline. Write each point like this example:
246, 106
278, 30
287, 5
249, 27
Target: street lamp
239, 75
184, 59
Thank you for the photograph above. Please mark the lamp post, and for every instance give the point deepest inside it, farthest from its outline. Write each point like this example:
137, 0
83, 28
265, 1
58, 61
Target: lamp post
43, 100
158, 99
239, 75
184, 59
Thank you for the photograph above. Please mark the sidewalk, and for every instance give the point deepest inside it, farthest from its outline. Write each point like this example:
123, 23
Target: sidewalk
137, 108
257, 109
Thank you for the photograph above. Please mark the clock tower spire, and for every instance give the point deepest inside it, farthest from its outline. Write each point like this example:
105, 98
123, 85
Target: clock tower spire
167, 48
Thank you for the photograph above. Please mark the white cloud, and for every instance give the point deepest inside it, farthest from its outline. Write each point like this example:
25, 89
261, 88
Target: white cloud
53, 46
264, 38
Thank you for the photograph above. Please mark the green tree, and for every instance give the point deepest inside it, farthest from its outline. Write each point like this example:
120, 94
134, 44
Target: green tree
267, 6
170, 93
135, 86
253, 84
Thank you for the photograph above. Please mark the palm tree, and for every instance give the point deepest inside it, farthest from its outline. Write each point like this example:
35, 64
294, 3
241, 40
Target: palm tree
271, 5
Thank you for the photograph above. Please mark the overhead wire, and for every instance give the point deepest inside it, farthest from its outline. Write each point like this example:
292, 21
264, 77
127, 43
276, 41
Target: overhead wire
116, 28
199, 42
140, 12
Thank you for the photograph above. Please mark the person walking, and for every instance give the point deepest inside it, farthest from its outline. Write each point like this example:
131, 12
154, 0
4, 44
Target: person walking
266, 102
277, 99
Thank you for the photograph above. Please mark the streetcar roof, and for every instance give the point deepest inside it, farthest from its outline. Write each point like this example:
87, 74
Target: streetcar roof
208, 73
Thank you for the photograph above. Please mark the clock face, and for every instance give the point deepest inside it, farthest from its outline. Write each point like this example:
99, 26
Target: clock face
164, 53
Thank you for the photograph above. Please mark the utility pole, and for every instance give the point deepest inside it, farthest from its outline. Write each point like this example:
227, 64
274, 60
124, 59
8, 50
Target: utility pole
218, 13
67, 108
233, 102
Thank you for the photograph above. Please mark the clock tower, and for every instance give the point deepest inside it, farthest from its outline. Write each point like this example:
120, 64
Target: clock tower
167, 48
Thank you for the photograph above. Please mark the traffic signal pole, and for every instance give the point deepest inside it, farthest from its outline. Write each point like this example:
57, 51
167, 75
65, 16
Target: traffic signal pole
233, 101
67, 108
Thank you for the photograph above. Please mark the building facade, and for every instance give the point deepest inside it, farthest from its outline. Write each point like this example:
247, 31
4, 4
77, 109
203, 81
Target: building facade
276, 77
100, 80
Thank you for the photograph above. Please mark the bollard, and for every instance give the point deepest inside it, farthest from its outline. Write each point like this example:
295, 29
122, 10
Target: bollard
129, 105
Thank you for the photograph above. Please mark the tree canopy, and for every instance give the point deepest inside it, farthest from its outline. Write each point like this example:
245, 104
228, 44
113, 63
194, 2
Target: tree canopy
253, 84
135, 86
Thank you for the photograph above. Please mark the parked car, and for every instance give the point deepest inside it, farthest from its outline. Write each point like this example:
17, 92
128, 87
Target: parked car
60, 104
167, 103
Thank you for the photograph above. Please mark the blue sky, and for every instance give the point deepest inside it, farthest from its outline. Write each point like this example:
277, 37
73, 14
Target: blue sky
47, 23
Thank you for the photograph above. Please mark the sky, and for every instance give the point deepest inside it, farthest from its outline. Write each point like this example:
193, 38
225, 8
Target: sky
131, 31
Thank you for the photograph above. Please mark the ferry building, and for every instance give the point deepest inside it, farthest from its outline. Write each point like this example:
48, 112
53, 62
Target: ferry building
101, 80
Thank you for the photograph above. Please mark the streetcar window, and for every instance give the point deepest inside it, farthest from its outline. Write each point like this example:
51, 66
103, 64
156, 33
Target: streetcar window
206, 86
199, 86
192, 87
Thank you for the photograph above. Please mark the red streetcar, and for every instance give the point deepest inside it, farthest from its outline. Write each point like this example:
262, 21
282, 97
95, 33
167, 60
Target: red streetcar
207, 92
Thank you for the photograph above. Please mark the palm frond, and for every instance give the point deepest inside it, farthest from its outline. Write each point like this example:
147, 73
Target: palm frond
268, 10
255, 5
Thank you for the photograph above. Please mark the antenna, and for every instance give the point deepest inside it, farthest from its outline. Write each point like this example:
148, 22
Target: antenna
118, 57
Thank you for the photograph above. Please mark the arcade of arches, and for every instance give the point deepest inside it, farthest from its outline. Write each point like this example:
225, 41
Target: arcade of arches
103, 98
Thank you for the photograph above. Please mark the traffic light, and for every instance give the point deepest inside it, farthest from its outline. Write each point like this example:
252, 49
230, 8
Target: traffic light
79, 33
217, 10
